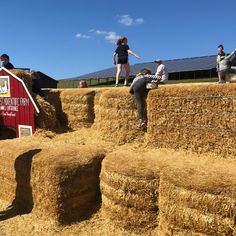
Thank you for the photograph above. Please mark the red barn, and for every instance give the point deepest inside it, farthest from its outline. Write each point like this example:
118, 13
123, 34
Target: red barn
17, 107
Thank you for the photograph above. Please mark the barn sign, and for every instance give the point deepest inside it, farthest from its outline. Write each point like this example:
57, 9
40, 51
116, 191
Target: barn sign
17, 107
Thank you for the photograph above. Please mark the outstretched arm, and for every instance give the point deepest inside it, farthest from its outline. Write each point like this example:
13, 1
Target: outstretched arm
114, 58
133, 54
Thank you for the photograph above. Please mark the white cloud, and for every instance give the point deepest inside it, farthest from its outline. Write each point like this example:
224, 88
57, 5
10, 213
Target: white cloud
82, 36
139, 20
129, 21
100, 32
110, 36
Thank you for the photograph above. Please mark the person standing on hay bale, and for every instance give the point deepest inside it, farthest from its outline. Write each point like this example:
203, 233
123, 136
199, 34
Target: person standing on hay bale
36, 86
140, 87
6, 62
123, 52
220, 57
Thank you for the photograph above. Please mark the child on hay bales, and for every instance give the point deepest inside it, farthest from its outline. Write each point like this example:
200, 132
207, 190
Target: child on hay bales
220, 57
83, 84
140, 87
36, 86
123, 51
6, 62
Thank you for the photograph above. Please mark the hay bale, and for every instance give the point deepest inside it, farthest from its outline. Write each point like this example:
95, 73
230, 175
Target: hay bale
15, 170
129, 186
66, 185
197, 195
116, 116
53, 180
54, 98
25, 76
197, 117
78, 105
46, 118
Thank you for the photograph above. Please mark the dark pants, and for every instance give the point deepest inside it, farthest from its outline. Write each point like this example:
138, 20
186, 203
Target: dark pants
140, 93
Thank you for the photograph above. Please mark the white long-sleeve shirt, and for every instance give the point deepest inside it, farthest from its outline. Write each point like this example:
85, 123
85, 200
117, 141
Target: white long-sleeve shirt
162, 73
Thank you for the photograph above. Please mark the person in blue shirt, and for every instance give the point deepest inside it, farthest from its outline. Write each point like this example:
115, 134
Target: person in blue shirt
122, 52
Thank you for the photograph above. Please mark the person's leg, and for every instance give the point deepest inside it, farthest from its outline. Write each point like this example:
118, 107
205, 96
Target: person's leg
127, 69
139, 101
119, 69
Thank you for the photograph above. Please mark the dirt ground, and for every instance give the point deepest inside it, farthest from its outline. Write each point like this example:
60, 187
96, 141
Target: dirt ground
29, 224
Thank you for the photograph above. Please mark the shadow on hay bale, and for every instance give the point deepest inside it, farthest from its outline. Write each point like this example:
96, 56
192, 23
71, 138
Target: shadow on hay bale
66, 185
53, 97
197, 196
199, 117
116, 116
129, 186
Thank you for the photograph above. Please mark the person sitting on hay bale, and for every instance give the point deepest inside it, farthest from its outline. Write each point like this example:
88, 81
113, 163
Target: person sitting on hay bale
36, 86
140, 87
6, 62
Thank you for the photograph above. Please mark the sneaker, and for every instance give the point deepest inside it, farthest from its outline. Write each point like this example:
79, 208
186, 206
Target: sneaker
222, 82
116, 85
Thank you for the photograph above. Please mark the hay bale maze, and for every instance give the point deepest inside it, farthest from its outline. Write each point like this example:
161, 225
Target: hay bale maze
200, 117
129, 186
197, 197
116, 116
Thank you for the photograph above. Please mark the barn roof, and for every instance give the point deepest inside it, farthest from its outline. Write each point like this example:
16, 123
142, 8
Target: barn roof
23, 84
173, 66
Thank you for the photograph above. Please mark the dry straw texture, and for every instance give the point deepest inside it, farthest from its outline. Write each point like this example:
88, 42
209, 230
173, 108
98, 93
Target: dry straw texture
46, 118
78, 105
25, 76
129, 186
116, 116
197, 196
56, 181
200, 117
66, 185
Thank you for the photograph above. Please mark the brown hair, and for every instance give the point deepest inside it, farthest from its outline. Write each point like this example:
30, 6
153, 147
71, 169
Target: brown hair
145, 71
121, 40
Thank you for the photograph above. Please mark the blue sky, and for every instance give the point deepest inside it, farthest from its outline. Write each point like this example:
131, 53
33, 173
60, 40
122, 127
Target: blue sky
69, 38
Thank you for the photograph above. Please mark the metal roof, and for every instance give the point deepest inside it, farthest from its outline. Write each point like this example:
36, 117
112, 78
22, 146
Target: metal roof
173, 66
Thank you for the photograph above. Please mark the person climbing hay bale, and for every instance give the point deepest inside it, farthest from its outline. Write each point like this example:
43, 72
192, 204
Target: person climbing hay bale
197, 195
129, 187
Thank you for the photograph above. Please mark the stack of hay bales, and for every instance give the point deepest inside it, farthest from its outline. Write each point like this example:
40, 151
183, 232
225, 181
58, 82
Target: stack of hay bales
197, 197
201, 117
65, 182
129, 186
116, 116
78, 105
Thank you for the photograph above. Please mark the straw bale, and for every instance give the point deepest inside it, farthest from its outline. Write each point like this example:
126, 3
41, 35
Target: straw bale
53, 179
25, 76
129, 186
197, 194
116, 116
66, 185
46, 118
197, 117
78, 105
